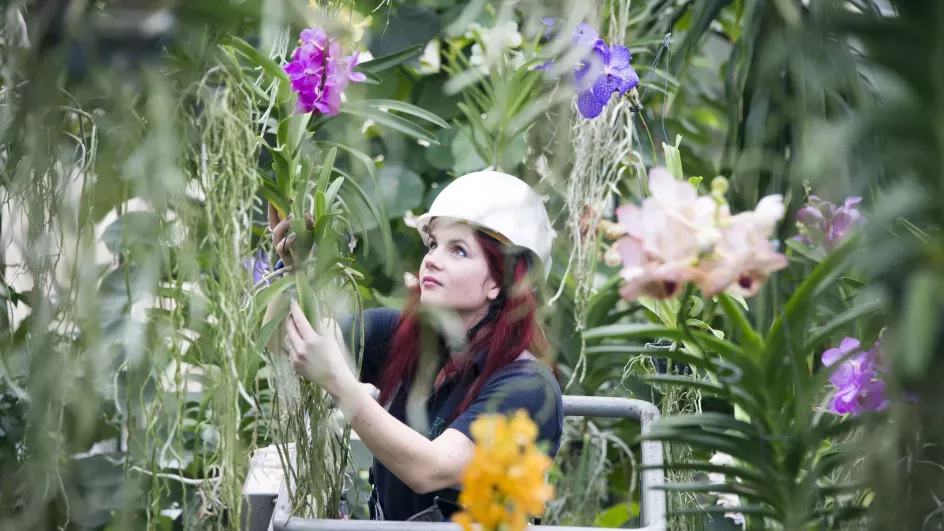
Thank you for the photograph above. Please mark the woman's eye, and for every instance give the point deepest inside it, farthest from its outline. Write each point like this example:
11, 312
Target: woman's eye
460, 251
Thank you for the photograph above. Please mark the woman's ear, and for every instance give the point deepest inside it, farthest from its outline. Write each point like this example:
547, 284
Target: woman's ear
494, 290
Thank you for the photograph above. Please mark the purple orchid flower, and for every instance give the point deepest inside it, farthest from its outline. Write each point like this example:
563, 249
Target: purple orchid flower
607, 71
859, 387
259, 265
822, 223
319, 73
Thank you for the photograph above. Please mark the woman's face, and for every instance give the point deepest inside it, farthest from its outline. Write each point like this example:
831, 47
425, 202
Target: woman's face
454, 274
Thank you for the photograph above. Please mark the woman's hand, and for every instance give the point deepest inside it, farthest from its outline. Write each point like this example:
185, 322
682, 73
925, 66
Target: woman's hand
317, 355
279, 228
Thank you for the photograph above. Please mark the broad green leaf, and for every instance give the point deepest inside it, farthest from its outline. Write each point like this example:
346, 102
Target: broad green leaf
921, 318
743, 473
326, 169
321, 206
357, 154
392, 121
798, 307
810, 254
736, 393
704, 326
256, 57
405, 108
739, 321
616, 516
379, 64
398, 188
306, 295
381, 221
862, 309
275, 196
673, 159
332, 191
278, 317
739, 449
853, 283
728, 350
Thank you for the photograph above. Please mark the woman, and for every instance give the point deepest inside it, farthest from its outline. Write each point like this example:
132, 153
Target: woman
488, 234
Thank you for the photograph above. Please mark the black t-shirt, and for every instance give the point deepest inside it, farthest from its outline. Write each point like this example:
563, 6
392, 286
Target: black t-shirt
523, 384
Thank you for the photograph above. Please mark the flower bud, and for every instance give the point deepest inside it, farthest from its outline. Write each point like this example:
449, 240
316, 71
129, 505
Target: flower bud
612, 231
719, 186
612, 256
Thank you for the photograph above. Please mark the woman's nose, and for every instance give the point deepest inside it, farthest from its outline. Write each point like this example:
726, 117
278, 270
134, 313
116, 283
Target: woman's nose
432, 260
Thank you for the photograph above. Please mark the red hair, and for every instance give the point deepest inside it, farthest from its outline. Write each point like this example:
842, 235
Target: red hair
510, 328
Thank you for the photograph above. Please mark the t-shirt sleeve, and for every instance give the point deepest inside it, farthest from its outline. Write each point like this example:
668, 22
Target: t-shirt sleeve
528, 389
378, 327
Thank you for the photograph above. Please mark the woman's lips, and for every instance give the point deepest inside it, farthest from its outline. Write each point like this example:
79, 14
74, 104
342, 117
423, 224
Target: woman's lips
430, 282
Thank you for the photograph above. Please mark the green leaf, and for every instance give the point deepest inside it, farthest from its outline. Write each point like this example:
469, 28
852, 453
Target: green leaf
357, 154
803, 250
728, 350
372, 78
306, 295
275, 196
381, 221
704, 326
742, 327
283, 170
320, 205
332, 191
379, 64
798, 307
616, 516
278, 317
743, 473
393, 122
406, 108
399, 189
862, 309
326, 170
736, 394
255, 57
921, 318
673, 160
853, 283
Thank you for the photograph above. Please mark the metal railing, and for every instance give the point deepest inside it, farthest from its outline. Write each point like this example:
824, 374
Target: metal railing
652, 497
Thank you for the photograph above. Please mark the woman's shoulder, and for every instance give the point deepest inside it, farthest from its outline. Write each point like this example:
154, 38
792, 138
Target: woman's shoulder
530, 372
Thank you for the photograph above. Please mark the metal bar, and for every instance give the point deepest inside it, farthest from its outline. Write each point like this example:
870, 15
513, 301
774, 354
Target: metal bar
652, 498
653, 506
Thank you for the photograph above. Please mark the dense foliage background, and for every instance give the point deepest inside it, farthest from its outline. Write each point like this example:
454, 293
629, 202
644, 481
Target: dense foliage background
141, 141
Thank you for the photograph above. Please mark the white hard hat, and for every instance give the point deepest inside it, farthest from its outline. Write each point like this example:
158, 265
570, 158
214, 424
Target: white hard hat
499, 203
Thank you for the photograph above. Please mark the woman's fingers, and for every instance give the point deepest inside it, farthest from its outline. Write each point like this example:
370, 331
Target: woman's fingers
301, 323
278, 232
283, 244
294, 337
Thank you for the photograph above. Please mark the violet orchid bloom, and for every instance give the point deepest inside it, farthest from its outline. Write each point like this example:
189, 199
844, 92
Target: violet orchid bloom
586, 35
822, 223
607, 71
859, 387
319, 73
549, 22
259, 265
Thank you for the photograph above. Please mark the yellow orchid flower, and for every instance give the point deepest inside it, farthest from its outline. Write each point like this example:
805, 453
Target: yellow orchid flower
504, 484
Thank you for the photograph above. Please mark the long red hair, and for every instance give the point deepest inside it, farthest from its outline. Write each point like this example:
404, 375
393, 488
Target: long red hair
510, 328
